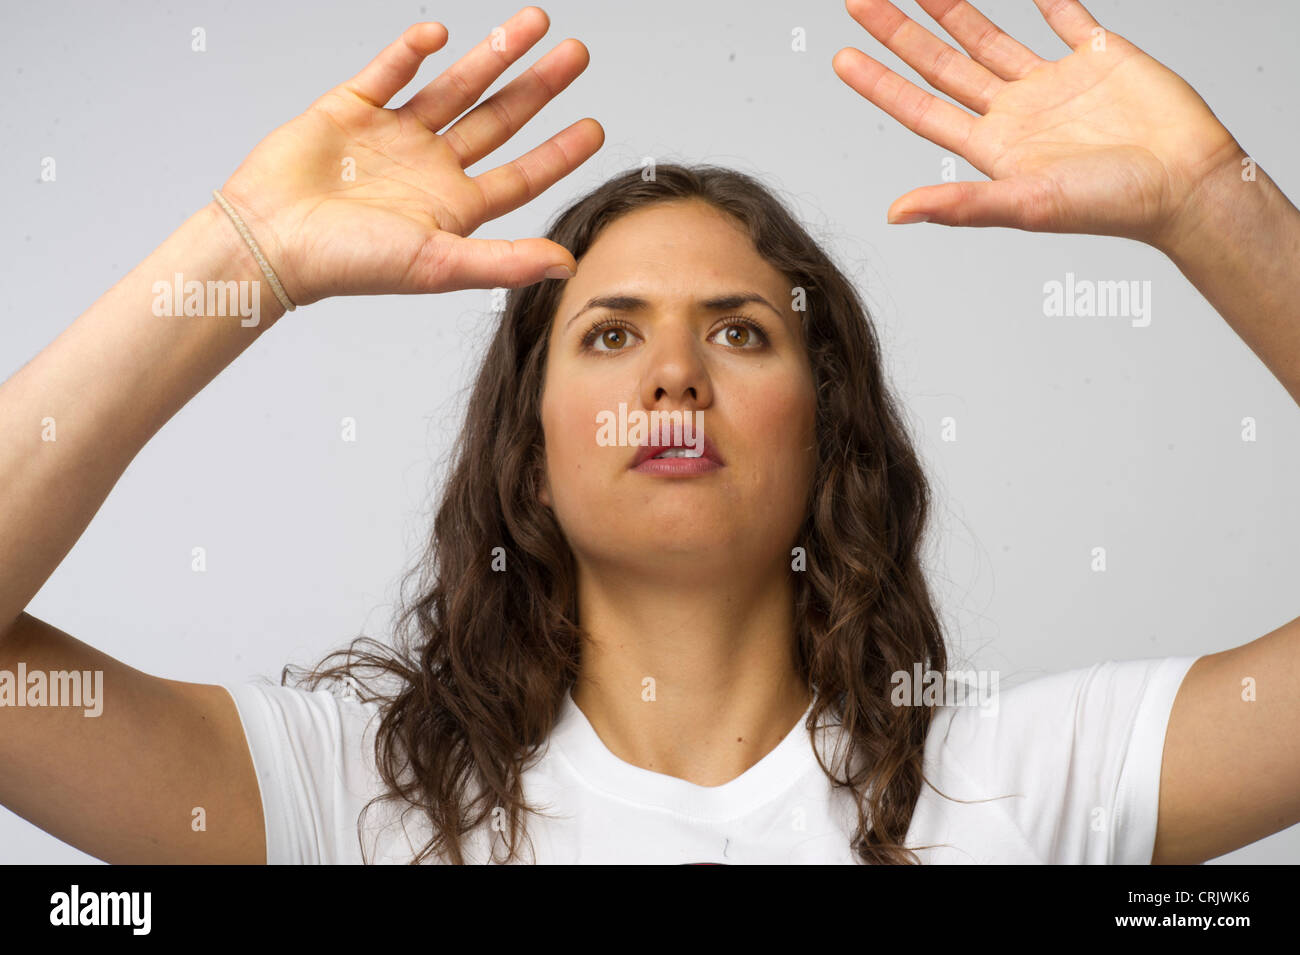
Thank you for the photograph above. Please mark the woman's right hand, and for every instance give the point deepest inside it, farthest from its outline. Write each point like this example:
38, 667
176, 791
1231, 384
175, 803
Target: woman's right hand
351, 198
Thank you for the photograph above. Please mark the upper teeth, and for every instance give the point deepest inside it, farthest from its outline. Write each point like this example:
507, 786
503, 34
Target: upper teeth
676, 453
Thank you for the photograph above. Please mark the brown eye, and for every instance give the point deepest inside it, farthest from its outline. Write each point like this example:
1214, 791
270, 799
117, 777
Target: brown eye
743, 334
607, 336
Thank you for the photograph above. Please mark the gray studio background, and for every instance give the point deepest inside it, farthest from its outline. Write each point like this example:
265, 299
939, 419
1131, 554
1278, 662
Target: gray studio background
1071, 432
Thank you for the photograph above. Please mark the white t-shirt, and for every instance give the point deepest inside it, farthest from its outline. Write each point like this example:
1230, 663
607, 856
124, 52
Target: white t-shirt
1076, 756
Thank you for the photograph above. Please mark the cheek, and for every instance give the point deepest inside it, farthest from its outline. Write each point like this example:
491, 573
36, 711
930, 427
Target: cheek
784, 415
570, 428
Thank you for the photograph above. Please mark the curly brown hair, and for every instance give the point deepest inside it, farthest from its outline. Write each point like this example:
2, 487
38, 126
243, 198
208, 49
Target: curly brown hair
483, 658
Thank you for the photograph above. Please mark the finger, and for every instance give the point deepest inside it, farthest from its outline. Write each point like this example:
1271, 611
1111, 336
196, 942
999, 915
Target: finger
921, 112
509, 186
450, 263
943, 67
981, 38
1012, 204
1068, 20
461, 84
492, 122
397, 64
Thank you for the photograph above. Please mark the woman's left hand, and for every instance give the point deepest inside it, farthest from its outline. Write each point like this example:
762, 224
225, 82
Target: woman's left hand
1105, 141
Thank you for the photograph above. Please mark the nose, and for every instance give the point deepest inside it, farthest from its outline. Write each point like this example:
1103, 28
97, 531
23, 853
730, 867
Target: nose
675, 373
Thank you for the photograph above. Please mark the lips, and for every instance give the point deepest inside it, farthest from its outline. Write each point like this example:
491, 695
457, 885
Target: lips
646, 452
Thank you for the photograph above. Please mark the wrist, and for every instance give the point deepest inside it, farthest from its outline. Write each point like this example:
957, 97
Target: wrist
268, 238
1227, 199
227, 249
210, 238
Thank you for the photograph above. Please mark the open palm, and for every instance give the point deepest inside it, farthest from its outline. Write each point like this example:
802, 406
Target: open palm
1105, 141
352, 198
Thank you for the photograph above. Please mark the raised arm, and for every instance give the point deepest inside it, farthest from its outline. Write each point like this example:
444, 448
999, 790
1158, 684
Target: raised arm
348, 198
1107, 141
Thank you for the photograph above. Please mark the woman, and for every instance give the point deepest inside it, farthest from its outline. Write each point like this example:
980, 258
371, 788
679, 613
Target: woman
714, 656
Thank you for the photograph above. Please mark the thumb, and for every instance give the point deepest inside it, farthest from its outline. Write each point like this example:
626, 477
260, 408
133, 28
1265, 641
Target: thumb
451, 262
1005, 203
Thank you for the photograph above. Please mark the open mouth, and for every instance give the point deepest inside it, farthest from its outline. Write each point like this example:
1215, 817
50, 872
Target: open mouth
678, 453
677, 466
699, 457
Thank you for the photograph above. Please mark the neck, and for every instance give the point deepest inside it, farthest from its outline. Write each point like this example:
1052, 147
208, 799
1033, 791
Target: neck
689, 678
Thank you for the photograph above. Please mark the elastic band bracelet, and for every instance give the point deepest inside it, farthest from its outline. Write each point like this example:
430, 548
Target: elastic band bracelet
276, 287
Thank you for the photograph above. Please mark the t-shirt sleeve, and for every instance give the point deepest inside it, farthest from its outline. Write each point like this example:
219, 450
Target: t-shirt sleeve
1079, 753
313, 755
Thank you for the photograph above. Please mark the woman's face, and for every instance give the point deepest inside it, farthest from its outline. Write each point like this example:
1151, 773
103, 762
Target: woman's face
742, 366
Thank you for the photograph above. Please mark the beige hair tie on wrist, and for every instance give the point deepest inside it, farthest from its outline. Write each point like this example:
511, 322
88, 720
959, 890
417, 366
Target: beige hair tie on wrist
276, 287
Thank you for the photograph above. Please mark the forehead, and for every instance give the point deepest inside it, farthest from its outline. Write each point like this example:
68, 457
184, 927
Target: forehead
675, 251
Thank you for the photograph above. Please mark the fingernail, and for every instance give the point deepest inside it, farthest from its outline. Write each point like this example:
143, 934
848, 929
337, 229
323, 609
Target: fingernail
907, 218
559, 272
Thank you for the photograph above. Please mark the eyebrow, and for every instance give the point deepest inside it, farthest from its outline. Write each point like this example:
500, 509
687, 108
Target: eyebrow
631, 303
